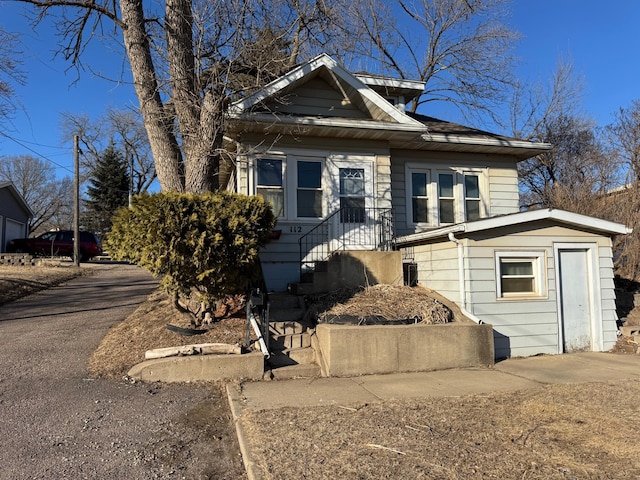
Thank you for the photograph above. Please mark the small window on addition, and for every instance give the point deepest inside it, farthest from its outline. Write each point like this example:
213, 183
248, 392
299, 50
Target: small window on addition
520, 274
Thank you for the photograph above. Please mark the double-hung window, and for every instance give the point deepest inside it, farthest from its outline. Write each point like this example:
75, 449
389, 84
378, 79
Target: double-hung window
270, 183
471, 197
309, 189
446, 198
520, 274
420, 197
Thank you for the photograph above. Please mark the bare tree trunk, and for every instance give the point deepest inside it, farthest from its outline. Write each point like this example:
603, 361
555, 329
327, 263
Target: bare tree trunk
201, 124
166, 152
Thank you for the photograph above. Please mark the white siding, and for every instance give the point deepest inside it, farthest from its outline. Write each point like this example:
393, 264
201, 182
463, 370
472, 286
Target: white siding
503, 188
383, 181
522, 326
438, 268
500, 189
316, 97
281, 258
607, 288
399, 202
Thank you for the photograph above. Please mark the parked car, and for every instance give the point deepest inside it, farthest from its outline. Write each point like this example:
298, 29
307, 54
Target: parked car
59, 243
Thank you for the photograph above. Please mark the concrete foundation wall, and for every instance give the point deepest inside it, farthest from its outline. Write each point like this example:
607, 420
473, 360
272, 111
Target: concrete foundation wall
356, 268
361, 350
198, 368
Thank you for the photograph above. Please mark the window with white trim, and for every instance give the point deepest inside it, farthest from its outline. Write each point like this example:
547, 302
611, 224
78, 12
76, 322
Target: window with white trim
309, 189
352, 195
446, 198
471, 197
436, 196
292, 184
420, 196
520, 274
270, 184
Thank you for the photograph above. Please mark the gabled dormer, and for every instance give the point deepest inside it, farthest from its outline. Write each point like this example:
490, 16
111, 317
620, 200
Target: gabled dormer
321, 94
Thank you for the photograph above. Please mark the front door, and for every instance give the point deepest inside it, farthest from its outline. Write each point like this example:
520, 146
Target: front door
353, 228
575, 299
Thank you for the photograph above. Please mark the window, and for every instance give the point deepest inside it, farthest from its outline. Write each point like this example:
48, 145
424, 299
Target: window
471, 197
309, 192
269, 184
443, 196
446, 198
520, 274
420, 197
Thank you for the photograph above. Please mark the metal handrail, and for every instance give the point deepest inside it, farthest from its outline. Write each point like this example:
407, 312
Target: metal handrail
257, 312
348, 228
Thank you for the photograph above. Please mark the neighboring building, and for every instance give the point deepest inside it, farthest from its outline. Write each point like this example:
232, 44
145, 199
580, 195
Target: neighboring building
14, 215
346, 168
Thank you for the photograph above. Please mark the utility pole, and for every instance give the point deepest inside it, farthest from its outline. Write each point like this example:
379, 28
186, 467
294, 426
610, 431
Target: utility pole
130, 179
76, 206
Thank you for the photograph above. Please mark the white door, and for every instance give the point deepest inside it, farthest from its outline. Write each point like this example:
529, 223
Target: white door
574, 299
351, 194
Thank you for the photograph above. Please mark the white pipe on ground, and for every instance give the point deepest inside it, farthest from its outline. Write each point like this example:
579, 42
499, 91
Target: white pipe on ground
256, 329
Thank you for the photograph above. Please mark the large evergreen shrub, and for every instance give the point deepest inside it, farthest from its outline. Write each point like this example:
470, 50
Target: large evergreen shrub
205, 243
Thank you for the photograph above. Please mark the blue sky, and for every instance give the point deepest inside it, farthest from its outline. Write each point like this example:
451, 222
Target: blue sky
601, 38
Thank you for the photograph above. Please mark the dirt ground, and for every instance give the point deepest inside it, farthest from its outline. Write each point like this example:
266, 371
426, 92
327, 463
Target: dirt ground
588, 431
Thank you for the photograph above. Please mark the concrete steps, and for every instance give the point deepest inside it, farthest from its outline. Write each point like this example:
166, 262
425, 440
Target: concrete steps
294, 371
289, 339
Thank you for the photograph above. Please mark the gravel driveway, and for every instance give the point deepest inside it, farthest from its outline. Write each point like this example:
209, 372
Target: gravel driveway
56, 422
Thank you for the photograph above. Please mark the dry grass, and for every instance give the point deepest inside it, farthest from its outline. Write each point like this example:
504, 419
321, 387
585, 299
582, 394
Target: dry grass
19, 281
588, 431
388, 301
145, 329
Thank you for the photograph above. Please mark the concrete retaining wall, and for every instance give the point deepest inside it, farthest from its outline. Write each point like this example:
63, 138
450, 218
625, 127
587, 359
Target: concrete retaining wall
355, 268
198, 368
348, 350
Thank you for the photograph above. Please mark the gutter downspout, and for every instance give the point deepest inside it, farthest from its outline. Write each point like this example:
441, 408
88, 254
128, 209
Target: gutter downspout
461, 278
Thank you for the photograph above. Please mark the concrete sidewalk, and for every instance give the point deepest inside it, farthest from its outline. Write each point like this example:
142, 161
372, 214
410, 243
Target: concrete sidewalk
511, 374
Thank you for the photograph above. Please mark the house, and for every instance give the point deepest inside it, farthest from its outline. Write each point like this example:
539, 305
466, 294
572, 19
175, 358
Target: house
14, 215
348, 170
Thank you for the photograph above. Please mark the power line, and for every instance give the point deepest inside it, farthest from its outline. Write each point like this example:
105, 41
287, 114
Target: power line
44, 157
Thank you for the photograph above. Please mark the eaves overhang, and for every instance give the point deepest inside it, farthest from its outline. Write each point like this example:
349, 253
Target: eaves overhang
518, 148
324, 126
407, 136
559, 217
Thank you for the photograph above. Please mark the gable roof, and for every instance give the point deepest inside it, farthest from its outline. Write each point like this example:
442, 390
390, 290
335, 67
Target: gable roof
351, 87
16, 194
383, 121
559, 217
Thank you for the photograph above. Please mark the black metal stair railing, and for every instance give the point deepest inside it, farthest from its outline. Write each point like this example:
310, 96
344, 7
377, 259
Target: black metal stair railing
347, 229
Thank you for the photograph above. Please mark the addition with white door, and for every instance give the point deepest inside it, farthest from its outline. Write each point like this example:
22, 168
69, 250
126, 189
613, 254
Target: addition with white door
577, 298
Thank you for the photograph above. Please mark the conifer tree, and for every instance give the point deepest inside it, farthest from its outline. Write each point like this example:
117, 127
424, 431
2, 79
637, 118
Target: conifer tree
108, 190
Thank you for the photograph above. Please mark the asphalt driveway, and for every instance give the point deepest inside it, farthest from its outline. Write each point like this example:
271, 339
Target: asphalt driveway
56, 422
